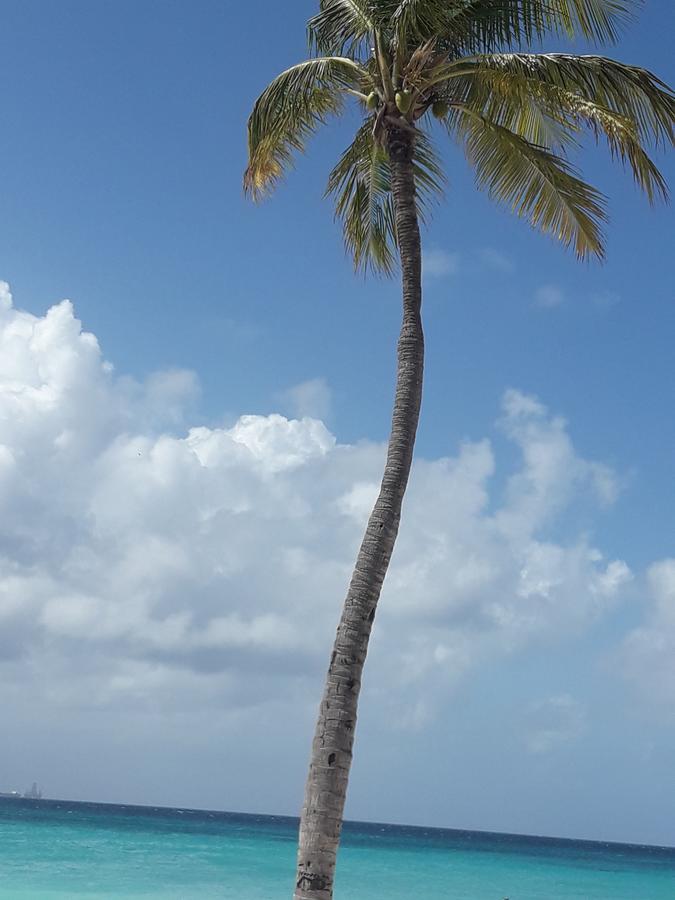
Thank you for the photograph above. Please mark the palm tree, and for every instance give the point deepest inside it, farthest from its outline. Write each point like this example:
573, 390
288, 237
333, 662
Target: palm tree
411, 66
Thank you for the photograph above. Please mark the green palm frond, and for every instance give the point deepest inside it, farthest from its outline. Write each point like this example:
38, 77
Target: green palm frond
546, 98
430, 178
631, 91
360, 185
510, 104
471, 25
533, 181
340, 25
464, 25
597, 20
290, 110
417, 21
489, 25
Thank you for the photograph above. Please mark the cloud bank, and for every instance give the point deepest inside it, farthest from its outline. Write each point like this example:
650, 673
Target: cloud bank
146, 564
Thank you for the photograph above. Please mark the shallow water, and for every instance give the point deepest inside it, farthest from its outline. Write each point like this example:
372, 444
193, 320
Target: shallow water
57, 850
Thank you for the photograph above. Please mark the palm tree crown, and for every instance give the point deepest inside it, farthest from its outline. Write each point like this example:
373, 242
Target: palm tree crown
460, 63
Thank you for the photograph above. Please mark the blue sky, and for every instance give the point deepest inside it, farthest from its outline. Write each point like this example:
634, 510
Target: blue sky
121, 185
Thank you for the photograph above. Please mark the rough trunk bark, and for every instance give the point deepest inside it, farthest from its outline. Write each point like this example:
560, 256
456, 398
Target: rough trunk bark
326, 788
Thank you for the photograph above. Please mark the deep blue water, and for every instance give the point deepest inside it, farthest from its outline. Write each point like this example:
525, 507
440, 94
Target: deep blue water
53, 850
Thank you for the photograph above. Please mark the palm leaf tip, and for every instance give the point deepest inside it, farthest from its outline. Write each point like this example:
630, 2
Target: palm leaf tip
290, 110
479, 26
260, 177
596, 20
340, 25
548, 98
360, 185
535, 183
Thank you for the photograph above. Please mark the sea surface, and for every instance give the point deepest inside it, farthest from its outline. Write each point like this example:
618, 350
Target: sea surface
58, 850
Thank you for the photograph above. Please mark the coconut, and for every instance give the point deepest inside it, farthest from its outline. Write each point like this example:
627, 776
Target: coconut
404, 101
371, 101
440, 108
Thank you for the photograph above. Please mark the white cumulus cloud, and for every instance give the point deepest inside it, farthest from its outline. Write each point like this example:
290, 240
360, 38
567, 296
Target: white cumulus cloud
648, 652
147, 562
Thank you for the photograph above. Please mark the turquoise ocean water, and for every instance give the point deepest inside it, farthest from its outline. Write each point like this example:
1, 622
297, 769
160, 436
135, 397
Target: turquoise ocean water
57, 850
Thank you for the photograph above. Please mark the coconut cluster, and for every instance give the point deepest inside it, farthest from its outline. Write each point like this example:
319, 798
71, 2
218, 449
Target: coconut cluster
404, 100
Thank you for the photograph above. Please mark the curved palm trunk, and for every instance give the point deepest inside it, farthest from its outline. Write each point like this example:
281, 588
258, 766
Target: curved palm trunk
326, 788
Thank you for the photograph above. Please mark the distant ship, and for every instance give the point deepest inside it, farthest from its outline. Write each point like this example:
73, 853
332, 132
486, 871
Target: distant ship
33, 793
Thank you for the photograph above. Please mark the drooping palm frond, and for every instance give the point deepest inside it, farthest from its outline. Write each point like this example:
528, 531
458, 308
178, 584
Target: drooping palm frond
546, 98
494, 98
360, 185
463, 25
430, 178
514, 23
630, 91
490, 25
340, 25
290, 110
536, 183
417, 21
596, 20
